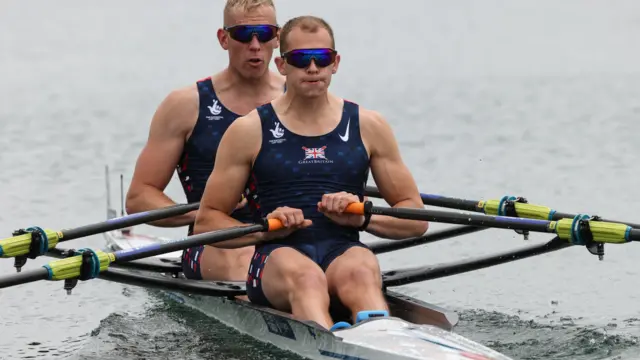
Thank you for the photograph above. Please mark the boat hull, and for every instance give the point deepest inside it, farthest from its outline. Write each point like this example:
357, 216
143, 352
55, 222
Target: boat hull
410, 333
391, 338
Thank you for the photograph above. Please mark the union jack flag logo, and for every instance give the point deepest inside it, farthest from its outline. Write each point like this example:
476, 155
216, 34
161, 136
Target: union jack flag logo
314, 153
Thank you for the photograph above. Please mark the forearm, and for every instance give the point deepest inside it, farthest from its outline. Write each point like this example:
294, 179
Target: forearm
146, 198
390, 227
211, 220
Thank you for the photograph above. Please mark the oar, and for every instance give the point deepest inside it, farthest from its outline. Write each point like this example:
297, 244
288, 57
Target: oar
89, 263
399, 277
506, 206
582, 229
35, 241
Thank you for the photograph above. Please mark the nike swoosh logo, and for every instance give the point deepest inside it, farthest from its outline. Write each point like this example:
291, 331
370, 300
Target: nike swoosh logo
345, 137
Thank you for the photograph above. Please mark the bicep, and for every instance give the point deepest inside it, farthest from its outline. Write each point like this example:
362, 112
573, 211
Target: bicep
161, 153
157, 162
230, 172
390, 173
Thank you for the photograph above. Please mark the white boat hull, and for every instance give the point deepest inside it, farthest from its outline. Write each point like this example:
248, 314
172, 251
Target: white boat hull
390, 338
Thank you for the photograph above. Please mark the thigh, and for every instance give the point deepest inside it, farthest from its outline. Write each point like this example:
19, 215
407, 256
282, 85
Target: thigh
283, 271
357, 264
224, 264
191, 262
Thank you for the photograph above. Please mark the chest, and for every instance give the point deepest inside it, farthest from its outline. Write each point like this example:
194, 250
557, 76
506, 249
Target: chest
243, 104
285, 157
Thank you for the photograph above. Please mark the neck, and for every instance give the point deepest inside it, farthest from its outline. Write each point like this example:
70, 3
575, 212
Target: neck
313, 108
248, 87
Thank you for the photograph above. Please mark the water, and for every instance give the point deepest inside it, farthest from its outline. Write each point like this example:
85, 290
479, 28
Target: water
532, 98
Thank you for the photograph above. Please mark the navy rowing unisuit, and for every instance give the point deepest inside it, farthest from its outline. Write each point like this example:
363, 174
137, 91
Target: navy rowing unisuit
198, 157
295, 171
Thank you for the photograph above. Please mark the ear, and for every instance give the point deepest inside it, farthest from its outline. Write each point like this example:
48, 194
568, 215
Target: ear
223, 39
336, 64
277, 39
281, 65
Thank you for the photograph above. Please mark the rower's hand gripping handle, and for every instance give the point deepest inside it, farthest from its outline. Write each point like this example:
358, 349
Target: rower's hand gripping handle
356, 208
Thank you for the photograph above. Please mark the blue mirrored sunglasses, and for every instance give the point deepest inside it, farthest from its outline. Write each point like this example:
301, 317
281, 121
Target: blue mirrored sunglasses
301, 58
245, 33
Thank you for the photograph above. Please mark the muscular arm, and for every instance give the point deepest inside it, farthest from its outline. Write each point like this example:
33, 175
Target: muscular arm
393, 178
238, 146
156, 163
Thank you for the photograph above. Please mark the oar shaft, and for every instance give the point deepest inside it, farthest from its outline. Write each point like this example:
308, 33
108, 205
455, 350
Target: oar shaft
188, 242
581, 230
503, 222
88, 267
24, 277
559, 215
489, 207
23, 244
393, 245
128, 220
435, 200
401, 277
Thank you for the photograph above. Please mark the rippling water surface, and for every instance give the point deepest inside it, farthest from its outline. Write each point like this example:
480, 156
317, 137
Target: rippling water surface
532, 98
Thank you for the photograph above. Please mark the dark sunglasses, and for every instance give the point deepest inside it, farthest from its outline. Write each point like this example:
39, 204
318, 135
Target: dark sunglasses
301, 58
245, 33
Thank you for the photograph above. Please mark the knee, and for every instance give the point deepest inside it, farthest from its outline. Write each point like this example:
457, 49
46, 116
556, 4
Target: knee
364, 275
306, 280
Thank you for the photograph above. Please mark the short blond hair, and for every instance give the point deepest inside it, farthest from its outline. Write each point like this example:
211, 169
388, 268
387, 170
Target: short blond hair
244, 5
307, 23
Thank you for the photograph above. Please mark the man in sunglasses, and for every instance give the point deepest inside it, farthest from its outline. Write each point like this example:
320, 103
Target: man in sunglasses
305, 175
188, 125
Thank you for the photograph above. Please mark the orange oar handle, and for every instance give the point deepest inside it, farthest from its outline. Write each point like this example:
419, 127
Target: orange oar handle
353, 208
274, 224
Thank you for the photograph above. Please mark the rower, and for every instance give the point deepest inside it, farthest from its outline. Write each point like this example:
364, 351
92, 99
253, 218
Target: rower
188, 125
307, 154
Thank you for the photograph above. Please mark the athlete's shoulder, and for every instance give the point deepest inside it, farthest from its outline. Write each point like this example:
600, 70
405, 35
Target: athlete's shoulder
243, 138
375, 130
372, 118
249, 118
178, 110
248, 124
181, 97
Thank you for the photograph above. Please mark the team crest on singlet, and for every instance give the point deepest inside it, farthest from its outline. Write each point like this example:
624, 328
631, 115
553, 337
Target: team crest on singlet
315, 156
215, 109
277, 132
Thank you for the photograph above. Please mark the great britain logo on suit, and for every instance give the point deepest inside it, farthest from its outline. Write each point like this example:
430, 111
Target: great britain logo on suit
315, 156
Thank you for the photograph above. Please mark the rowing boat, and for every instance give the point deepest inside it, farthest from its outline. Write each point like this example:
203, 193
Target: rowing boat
414, 330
